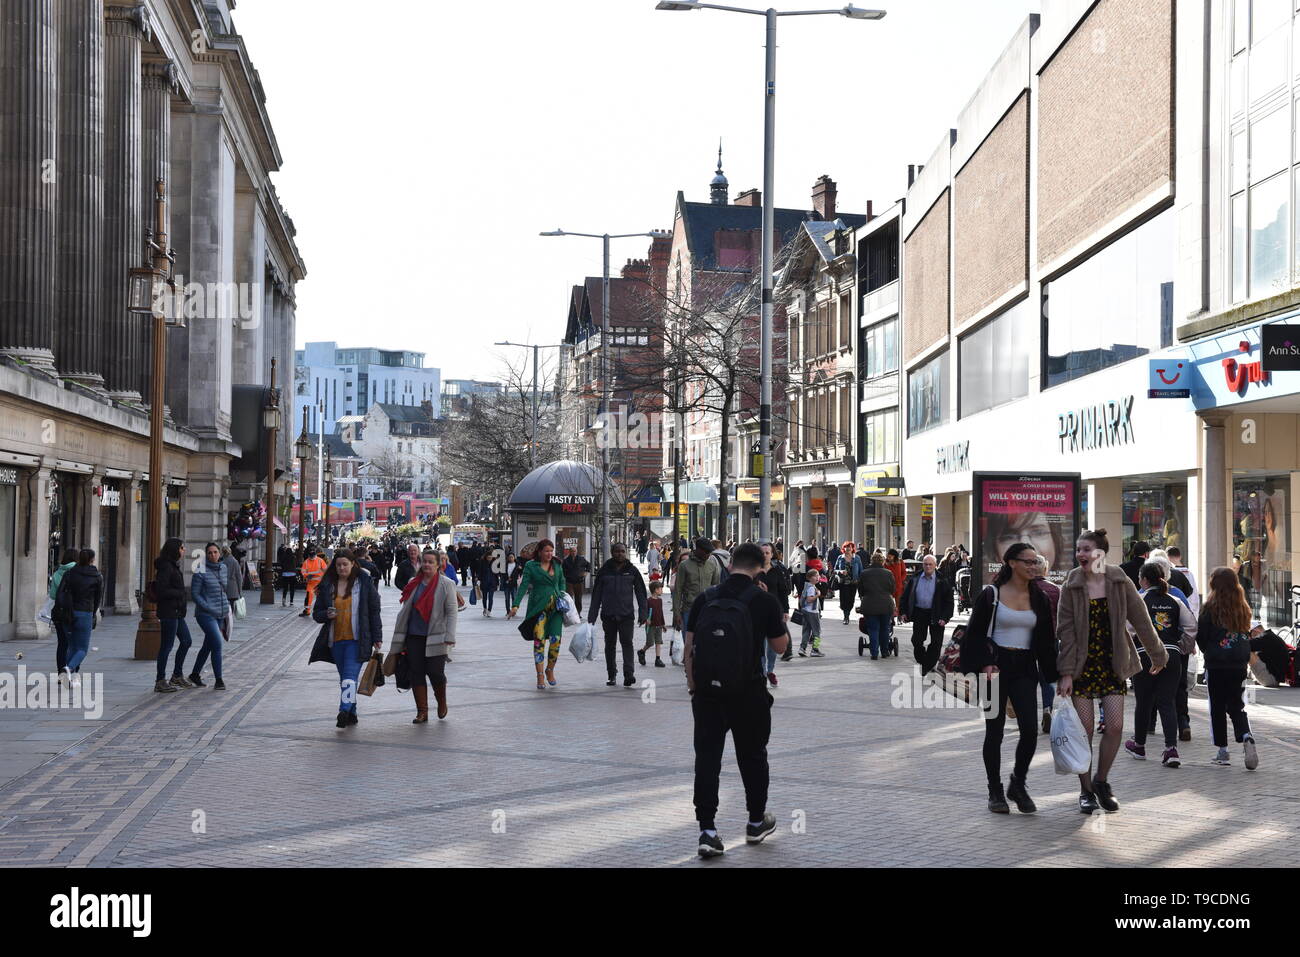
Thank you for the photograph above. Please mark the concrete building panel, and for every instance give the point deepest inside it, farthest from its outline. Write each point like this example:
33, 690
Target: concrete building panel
926, 281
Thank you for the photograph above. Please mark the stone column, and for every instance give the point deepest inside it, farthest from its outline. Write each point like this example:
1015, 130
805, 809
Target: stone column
158, 83
28, 180
912, 518
859, 520
1106, 510
943, 525
806, 525
126, 24
30, 566
79, 301
92, 513
128, 548
1216, 543
844, 514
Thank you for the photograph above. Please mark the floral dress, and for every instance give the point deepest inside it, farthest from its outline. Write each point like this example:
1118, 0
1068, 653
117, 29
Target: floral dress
1098, 679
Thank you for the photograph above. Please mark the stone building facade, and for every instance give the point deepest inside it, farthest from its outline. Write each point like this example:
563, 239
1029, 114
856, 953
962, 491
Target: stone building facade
100, 101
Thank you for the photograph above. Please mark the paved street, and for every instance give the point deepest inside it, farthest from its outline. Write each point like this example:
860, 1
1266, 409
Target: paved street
578, 775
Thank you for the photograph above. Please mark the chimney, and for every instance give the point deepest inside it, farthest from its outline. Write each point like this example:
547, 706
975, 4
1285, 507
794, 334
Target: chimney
913, 171
661, 248
638, 269
871, 213
823, 198
750, 197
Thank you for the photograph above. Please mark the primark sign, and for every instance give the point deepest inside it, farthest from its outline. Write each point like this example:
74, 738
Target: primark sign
1104, 425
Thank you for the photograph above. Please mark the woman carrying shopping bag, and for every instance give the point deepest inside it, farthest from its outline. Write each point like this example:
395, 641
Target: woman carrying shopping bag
426, 631
1096, 658
543, 584
1011, 640
347, 608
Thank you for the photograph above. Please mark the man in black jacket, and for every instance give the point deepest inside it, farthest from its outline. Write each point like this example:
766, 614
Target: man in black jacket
1136, 559
927, 604
409, 567
612, 597
575, 576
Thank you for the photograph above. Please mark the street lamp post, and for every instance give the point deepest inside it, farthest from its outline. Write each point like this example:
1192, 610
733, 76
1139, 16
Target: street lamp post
271, 422
769, 223
604, 366
148, 287
302, 448
326, 496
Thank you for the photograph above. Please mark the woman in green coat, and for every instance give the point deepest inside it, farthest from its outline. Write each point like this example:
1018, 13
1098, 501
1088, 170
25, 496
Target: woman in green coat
543, 584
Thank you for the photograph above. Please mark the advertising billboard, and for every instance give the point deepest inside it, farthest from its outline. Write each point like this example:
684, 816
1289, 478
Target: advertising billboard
1039, 510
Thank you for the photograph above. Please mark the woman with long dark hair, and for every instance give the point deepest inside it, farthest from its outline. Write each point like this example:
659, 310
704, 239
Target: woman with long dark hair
347, 607
1223, 634
543, 585
1154, 693
1096, 659
62, 629
848, 569
510, 578
169, 589
1011, 640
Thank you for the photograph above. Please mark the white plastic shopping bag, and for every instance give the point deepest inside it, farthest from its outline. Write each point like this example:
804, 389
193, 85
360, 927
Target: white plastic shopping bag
1070, 748
46, 614
676, 647
581, 642
565, 606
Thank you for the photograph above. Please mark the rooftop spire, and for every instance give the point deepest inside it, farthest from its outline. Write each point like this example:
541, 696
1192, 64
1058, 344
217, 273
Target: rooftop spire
719, 187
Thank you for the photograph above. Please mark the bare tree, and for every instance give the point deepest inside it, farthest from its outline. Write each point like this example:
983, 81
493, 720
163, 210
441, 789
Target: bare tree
392, 471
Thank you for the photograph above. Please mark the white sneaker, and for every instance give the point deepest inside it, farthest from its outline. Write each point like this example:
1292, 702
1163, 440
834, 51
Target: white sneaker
75, 680
1252, 754
63, 678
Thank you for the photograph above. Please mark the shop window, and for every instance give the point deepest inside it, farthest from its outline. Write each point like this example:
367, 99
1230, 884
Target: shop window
1156, 515
879, 438
993, 362
927, 405
879, 350
1112, 308
1261, 539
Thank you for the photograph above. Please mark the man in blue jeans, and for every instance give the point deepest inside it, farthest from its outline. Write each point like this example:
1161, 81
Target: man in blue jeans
928, 604
776, 582
876, 592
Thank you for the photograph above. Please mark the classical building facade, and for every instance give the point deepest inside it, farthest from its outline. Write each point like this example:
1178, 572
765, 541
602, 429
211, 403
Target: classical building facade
100, 102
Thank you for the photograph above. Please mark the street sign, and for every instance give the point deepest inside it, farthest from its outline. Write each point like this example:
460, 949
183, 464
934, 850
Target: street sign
890, 483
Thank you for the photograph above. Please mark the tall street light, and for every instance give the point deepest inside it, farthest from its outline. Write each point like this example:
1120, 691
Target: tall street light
604, 366
271, 423
532, 438
769, 222
327, 495
302, 449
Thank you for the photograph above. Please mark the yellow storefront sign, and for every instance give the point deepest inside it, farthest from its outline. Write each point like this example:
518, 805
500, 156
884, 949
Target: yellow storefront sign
867, 484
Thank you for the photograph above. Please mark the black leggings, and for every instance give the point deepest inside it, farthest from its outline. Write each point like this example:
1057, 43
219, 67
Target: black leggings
288, 585
1224, 686
1017, 679
1155, 694
422, 665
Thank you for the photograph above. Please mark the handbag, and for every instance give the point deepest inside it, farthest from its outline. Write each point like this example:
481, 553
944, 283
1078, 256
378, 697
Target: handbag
402, 672
372, 676
473, 595
241, 607
797, 617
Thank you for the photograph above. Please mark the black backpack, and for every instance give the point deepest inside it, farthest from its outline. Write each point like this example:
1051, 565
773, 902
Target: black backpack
725, 659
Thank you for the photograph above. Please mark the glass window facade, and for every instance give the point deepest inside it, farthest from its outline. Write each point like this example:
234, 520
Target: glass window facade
993, 362
927, 396
878, 354
880, 438
1115, 307
1261, 544
1264, 127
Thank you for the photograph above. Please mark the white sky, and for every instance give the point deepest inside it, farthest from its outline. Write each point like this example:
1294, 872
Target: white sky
427, 142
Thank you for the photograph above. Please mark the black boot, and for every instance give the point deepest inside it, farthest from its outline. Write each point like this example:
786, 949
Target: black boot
998, 800
1105, 797
1016, 792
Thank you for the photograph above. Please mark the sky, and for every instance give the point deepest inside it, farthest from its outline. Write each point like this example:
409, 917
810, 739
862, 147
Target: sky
426, 143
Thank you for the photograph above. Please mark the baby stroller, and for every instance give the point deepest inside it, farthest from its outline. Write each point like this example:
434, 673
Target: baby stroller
963, 590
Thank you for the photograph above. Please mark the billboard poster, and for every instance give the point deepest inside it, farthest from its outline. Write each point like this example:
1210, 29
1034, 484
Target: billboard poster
1039, 510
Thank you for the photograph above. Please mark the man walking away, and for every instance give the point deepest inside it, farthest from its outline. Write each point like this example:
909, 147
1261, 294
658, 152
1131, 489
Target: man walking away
575, 575
618, 584
695, 575
1136, 559
927, 604
731, 627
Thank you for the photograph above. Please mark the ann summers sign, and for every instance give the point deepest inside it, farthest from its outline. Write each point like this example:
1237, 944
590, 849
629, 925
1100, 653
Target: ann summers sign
1281, 348
1097, 426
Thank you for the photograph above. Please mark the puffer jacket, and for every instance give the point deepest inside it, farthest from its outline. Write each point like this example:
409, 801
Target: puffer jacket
169, 583
619, 592
1125, 607
208, 590
82, 588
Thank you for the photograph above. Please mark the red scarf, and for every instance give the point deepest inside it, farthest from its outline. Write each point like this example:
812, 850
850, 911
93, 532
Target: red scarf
425, 605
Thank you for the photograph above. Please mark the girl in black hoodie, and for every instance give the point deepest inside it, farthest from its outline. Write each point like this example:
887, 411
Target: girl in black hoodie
80, 594
169, 592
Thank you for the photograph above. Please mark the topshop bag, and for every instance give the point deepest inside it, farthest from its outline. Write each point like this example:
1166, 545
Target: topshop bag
1070, 749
